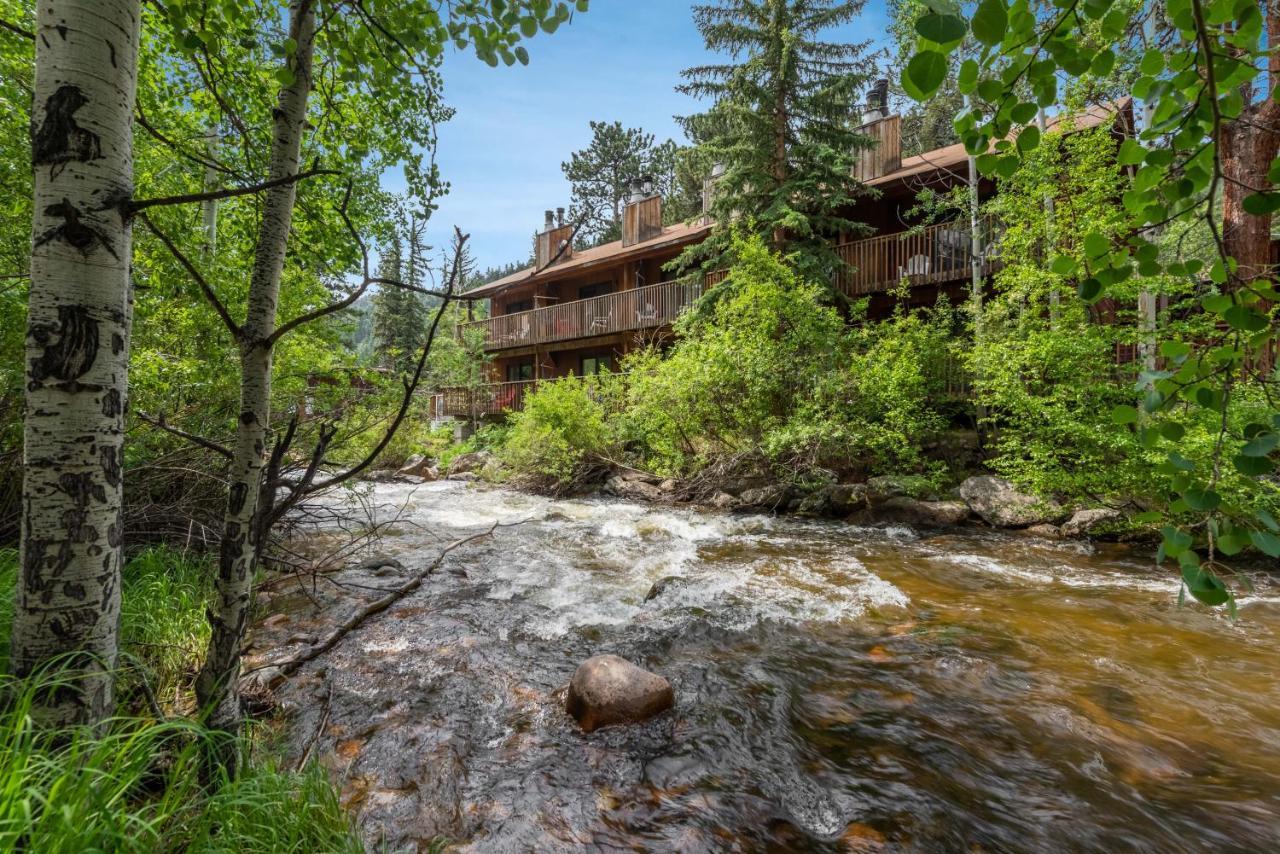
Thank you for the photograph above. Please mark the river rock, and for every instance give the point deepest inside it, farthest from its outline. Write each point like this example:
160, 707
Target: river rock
608, 690
418, 466
469, 463
723, 501
889, 486
632, 488
662, 585
933, 514
768, 498
837, 499
1044, 531
1084, 523
1000, 504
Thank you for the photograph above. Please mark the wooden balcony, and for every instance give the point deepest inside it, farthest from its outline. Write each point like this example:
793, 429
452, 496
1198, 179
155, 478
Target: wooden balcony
930, 256
476, 403
933, 255
648, 307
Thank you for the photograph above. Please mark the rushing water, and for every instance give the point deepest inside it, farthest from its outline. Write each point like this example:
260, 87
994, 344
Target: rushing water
837, 688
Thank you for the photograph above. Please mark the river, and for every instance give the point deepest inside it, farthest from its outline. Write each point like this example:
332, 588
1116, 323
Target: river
838, 688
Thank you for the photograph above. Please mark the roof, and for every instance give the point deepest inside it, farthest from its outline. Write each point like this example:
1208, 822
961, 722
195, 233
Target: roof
955, 156
606, 253
939, 159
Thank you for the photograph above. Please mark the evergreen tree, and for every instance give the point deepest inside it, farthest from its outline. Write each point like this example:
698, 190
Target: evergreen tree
783, 123
600, 176
399, 314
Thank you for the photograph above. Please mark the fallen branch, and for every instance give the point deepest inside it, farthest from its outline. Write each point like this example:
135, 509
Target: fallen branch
311, 743
288, 668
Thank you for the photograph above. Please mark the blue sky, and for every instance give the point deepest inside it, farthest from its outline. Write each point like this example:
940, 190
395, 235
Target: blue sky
514, 126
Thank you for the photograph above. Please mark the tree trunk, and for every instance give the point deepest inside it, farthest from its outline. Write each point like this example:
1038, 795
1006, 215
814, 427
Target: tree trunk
77, 351
216, 688
1247, 152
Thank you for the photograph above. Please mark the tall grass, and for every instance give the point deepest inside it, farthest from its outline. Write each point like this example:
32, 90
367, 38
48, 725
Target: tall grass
136, 783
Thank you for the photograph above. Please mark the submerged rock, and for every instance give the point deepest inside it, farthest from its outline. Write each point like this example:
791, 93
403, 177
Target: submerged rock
999, 503
608, 690
1044, 531
1084, 523
662, 585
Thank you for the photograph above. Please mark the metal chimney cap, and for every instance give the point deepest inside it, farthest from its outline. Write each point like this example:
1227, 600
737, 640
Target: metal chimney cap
550, 220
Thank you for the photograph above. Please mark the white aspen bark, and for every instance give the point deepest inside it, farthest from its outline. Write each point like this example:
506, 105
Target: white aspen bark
77, 354
209, 208
216, 688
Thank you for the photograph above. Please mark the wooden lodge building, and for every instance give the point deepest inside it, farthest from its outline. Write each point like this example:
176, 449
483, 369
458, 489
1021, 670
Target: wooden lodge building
578, 311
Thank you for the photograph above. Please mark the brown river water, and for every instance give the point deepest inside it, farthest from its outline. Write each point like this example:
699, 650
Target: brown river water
838, 688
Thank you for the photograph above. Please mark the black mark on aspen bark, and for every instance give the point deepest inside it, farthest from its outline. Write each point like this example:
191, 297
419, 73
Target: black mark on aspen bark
75, 591
70, 348
62, 31
111, 406
117, 343
235, 501
59, 139
79, 234
110, 465
247, 417
112, 50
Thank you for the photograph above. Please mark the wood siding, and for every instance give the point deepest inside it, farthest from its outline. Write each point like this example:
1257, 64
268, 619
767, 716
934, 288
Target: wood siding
886, 155
641, 221
929, 256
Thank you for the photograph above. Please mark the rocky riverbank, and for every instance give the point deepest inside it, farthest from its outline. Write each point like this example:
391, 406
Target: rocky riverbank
979, 500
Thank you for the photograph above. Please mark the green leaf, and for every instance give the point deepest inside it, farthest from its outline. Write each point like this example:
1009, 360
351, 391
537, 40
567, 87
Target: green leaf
1268, 544
1206, 587
1124, 415
1261, 204
941, 29
521, 54
1064, 265
1267, 519
1028, 138
1090, 290
1246, 319
1175, 542
1173, 431
1095, 245
1252, 466
1131, 153
1202, 500
285, 76
990, 22
968, 76
924, 74
1261, 445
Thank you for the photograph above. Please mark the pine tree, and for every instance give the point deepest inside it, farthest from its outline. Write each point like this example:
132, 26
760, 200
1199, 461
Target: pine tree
400, 313
600, 176
783, 123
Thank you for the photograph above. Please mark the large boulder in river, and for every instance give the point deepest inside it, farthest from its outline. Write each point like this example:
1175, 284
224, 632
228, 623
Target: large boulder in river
636, 489
1084, 523
929, 514
469, 463
837, 499
608, 690
418, 466
772, 498
1000, 504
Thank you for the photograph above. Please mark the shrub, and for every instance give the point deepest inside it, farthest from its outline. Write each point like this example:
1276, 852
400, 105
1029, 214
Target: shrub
560, 431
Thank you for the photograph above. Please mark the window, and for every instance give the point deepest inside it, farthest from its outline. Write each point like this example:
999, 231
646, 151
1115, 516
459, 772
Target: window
518, 306
602, 364
597, 290
520, 371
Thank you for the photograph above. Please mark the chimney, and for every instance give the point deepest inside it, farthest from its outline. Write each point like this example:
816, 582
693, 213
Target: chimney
555, 242
885, 154
642, 213
877, 102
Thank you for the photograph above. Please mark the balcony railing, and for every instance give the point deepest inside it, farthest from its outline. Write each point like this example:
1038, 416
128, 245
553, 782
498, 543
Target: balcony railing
475, 403
931, 255
648, 307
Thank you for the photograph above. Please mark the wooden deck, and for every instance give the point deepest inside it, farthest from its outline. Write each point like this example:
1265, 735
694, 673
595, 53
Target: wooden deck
931, 256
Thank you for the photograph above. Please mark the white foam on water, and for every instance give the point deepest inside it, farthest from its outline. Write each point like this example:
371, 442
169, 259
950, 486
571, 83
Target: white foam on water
1062, 574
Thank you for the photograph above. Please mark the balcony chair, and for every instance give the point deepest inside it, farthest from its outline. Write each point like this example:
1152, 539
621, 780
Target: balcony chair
917, 265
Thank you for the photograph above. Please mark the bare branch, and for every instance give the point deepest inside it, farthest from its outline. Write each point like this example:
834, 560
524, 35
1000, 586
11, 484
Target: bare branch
17, 30
207, 444
136, 205
205, 288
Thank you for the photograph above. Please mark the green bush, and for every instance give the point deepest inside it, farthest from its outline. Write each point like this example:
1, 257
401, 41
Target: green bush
562, 428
